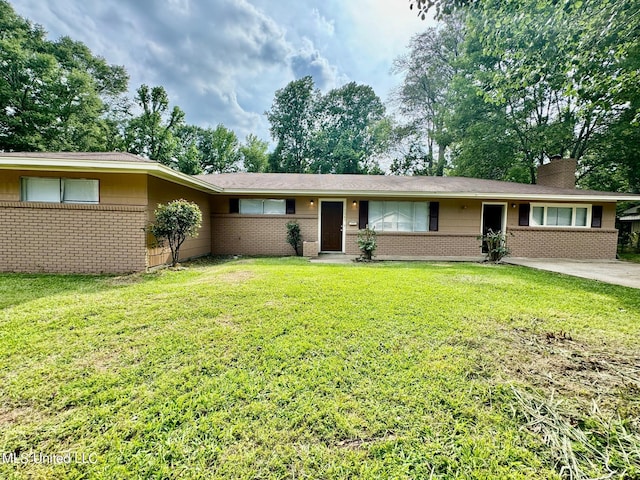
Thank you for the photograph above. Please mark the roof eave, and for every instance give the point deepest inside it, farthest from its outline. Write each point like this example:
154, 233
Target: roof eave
107, 166
424, 194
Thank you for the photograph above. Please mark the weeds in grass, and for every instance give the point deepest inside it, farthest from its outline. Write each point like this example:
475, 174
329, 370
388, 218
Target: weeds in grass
582, 447
277, 368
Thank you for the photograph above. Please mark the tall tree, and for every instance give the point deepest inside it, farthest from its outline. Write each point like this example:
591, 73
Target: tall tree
254, 154
423, 98
219, 149
53, 95
153, 132
351, 130
339, 132
292, 119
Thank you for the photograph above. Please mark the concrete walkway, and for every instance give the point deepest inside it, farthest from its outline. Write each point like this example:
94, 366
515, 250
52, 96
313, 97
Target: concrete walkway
609, 271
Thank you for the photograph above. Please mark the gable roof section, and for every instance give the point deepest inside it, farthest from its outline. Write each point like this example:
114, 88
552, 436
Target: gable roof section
106, 162
398, 186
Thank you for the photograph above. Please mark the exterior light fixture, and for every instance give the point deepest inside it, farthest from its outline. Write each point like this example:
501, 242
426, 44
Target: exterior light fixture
355, 204
311, 202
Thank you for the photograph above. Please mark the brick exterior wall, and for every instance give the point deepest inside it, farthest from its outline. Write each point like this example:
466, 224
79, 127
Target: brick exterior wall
432, 244
550, 242
67, 238
162, 191
560, 172
257, 234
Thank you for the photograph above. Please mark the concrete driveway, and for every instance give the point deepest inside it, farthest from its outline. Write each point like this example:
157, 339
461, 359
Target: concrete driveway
608, 271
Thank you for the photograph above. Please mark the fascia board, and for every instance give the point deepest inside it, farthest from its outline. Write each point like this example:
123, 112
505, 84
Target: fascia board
613, 197
62, 165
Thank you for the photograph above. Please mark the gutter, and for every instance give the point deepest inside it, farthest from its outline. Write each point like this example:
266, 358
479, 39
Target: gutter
107, 166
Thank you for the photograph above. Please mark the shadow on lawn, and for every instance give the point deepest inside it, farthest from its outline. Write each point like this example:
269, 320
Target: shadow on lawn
18, 288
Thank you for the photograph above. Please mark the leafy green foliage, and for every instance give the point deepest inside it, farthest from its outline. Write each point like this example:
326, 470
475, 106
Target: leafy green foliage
152, 134
367, 242
174, 222
292, 120
340, 132
254, 154
294, 238
423, 98
53, 95
496, 245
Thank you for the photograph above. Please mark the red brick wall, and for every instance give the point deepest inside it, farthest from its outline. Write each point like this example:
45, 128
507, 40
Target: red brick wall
67, 238
551, 242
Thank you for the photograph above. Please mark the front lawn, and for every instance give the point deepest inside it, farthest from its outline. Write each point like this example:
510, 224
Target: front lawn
277, 368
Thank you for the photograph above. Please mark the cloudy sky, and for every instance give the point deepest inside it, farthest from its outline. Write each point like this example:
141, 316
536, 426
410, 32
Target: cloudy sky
221, 61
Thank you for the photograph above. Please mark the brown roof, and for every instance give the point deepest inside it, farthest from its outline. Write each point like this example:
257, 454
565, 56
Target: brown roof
381, 184
99, 156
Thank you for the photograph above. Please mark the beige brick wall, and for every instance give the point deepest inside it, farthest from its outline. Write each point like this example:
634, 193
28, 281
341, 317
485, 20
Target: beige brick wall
65, 238
161, 191
551, 242
560, 172
257, 234
432, 244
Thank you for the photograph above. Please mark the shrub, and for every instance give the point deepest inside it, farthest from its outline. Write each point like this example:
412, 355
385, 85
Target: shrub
367, 242
496, 243
174, 222
294, 238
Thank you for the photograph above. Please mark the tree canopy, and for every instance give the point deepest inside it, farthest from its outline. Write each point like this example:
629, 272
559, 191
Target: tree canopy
339, 132
530, 81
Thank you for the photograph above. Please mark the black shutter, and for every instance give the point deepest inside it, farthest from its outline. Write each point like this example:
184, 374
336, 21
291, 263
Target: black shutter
234, 205
523, 218
291, 206
434, 210
363, 214
596, 216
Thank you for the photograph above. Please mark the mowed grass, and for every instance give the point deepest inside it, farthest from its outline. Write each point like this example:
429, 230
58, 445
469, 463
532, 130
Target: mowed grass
277, 368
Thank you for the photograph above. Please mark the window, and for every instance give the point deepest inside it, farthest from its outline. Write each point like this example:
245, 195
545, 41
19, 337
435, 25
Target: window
559, 215
399, 216
258, 206
59, 190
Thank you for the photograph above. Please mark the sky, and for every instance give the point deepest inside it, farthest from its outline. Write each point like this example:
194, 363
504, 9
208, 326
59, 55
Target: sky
221, 61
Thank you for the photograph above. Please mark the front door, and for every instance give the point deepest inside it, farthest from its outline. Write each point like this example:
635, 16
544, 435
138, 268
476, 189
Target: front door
492, 219
331, 226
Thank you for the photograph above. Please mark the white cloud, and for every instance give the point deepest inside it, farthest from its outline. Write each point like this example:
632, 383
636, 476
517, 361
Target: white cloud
221, 61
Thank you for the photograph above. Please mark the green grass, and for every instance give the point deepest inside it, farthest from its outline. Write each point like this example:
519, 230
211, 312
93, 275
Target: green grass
630, 257
277, 368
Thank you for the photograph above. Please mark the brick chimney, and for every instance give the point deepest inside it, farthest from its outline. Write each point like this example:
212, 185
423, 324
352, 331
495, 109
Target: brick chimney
559, 172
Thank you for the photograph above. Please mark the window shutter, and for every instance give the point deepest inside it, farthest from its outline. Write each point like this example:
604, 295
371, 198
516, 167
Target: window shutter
434, 210
363, 214
523, 218
291, 206
234, 205
596, 216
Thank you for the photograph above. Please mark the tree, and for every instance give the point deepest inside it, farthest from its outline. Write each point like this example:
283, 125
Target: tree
292, 118
53, 95
254, 154
174, 222
424, 96
351, 130
294, 238
219, 150
339, 132
152, 134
